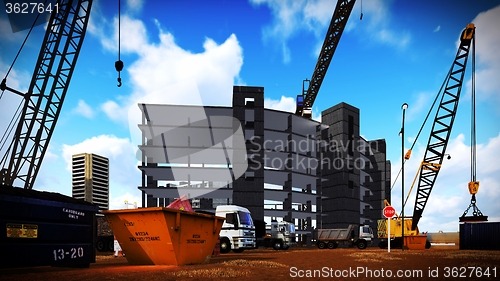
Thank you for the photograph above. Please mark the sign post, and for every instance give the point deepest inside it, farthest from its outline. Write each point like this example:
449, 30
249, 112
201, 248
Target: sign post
389, 212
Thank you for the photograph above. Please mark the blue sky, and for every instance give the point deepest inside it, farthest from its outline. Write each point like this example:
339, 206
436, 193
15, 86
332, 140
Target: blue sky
399, 52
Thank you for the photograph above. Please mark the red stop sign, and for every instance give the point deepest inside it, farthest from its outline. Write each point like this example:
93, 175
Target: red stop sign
389, 212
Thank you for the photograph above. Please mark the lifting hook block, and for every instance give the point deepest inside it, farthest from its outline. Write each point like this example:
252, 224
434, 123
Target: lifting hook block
119, 67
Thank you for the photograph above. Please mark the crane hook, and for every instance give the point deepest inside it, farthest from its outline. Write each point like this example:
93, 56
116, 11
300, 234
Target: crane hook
119, 67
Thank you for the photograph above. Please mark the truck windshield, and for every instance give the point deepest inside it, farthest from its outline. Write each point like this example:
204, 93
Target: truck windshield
245, 218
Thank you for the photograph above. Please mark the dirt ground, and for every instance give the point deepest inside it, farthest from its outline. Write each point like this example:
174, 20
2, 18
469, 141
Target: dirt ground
295, 263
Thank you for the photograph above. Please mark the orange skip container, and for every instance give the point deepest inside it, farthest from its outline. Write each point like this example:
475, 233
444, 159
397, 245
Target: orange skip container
164, 236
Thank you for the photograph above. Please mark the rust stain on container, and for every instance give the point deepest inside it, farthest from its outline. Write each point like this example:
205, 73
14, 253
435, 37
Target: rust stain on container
164, 236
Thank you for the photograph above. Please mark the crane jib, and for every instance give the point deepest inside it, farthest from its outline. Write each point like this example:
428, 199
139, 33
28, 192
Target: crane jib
442, 125
50, 81
338, 22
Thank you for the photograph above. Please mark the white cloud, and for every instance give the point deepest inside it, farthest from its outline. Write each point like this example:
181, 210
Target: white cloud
380, 27
284, 104
105, 145
134, 6
113, 111
124, 176
291, 17
450, 197
419, 102
288, 104
84, 109
9, 101
162, 66
18, 80
488, 54
437, 28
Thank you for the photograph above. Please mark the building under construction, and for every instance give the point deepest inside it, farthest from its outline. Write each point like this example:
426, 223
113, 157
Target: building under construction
294, 168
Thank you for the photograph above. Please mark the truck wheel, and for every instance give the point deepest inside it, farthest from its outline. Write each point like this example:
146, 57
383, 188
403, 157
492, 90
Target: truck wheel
100, 245
238, 250
361, 245
321, 245
111, 245
331, 245
277, 245
427, 244
225, 245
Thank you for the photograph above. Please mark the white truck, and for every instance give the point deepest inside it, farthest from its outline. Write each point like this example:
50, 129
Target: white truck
238, 230
330, 238
281, 236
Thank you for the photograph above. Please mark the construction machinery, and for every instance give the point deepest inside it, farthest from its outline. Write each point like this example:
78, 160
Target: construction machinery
340, 16
360, 236
238, 230
43, 102
416, 240
281, 236
434, 153
305, 100
39, 111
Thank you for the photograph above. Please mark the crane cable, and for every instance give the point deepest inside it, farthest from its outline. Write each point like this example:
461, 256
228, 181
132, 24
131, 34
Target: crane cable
3, 87
423, 124
361, 15
119, 63
4, 81
473, 115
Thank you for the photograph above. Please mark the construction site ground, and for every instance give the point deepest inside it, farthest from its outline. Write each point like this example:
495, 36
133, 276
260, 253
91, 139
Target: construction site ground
437, 263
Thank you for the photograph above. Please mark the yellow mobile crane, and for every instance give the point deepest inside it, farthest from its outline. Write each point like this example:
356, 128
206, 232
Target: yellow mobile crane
434, 155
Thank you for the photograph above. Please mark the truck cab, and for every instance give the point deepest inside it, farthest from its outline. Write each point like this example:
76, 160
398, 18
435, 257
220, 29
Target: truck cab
238, 230
281, 235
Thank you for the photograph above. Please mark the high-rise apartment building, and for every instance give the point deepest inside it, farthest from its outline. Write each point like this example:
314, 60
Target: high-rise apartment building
90, 177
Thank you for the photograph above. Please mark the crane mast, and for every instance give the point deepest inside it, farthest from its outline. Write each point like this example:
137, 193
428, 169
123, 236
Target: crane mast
443, 123
42, 103
340, 16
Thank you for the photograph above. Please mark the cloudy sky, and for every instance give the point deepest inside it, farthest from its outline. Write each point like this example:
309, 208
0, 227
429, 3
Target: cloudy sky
399, 52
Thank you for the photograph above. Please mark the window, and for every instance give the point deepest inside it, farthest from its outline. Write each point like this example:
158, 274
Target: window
249, 102
245, 218
231, 218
